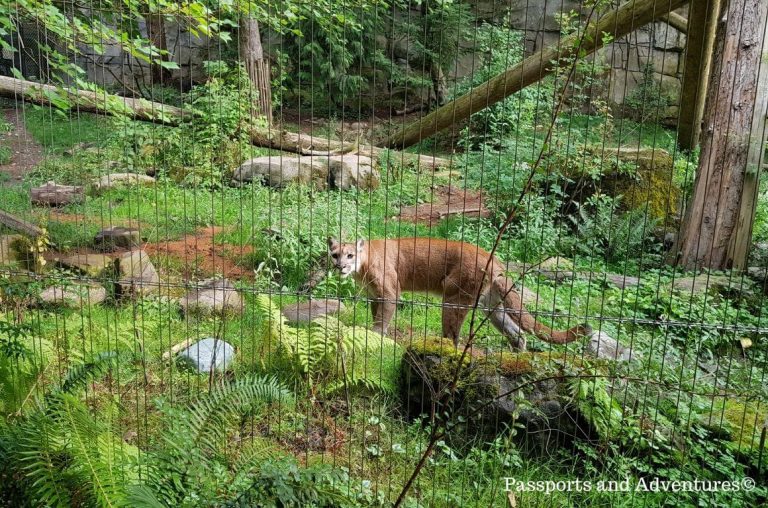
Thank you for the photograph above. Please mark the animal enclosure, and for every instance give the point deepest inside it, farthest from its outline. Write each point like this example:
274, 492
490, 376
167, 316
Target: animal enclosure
383, 254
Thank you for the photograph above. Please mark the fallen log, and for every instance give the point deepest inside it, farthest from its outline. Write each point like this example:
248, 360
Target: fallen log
20, 225
89, 101
141, 109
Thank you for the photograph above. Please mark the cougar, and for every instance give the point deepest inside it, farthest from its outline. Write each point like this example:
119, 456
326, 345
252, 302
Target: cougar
455, 270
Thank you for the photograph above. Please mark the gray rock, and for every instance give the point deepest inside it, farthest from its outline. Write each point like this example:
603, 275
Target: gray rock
304, 312
208, 354
74, 295
54, 194
603, 346
114, 180
278, 171
88, 263
117, 237
212, 296
351, 170
137, 275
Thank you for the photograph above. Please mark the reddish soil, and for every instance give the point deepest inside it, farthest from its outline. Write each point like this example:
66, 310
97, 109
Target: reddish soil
447, 201
26, 153
199, 255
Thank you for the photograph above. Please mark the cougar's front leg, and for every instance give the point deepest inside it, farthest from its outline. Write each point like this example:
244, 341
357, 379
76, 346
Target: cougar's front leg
383, 310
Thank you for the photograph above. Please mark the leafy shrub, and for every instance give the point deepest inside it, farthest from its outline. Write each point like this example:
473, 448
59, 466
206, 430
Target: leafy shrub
649, 101
602, 229
502, 48
209, 143
58, 452
283, 484
198, 463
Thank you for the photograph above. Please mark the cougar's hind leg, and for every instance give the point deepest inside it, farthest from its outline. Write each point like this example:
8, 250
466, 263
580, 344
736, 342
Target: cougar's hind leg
455, 309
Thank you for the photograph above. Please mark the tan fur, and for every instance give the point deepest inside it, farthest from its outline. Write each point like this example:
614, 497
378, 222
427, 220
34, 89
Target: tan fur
452, 269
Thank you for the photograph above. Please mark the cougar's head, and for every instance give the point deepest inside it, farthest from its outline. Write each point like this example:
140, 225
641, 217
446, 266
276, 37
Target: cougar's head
347, 258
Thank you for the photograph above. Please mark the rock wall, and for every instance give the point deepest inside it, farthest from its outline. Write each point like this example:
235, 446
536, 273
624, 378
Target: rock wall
657, 44
115, 67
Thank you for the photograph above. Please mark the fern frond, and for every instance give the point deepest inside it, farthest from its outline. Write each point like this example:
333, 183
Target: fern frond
316, 351
87, 439
80, 375
141, 496
34, 446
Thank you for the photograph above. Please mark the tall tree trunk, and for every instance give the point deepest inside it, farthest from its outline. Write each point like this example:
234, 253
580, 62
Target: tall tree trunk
619, 22
712, 214
703, 16
257, 66
156, 35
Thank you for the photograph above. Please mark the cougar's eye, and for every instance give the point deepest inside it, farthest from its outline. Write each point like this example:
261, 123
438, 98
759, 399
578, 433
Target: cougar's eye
349, 256
334, 256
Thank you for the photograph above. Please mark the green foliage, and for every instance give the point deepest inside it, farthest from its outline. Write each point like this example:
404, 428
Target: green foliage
197, 463
5, 155
604, 230
649, 101
60, 452
332, 47
502, 49
205, 149
330, 353
284, 484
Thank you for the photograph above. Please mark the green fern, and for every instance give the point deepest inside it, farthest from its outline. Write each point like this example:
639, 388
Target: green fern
58, 451
197, 441
328, 349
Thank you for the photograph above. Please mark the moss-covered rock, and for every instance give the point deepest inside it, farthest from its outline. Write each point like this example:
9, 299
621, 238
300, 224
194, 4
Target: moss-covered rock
742, 422
642, 176
497, 389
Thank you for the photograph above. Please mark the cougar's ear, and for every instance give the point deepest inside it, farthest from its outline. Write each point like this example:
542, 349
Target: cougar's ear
360, 244
332, 243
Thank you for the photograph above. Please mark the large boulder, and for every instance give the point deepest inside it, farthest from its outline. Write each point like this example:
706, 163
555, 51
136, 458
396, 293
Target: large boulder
91, 264
54, 194
352, 170
639, 175
212, 296
279, 171
74, 295
489, 387
136, 275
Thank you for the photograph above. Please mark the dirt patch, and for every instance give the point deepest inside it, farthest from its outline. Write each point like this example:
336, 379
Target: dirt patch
197, 255
447, 201
26, 153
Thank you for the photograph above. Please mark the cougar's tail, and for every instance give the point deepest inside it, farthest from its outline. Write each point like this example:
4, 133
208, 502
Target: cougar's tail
513, 304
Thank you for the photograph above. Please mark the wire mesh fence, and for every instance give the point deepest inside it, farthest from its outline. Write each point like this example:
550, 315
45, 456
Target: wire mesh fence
365, 253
